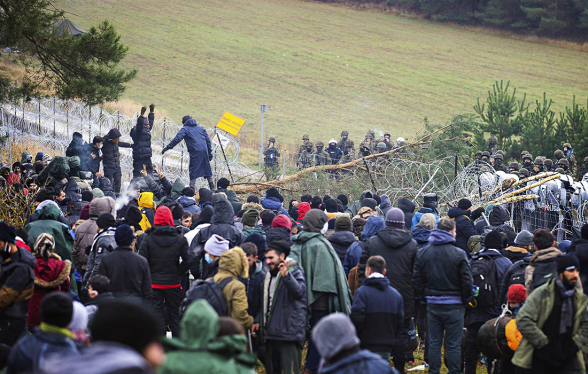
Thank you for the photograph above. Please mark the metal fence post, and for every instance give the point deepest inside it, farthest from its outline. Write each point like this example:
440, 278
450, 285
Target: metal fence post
53, 117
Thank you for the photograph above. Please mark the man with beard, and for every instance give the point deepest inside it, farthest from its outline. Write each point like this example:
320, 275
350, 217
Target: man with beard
554, 323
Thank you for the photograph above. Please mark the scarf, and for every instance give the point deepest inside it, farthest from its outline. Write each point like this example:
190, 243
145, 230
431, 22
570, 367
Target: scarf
45, 327
567, 308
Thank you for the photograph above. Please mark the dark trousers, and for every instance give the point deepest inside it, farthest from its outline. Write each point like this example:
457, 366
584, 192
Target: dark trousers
472, 353
115, 177
541, 367
282, 357
169, 299
95, 182
446, 319
138, 167
421, 321
11, 329
399, 354
313, 358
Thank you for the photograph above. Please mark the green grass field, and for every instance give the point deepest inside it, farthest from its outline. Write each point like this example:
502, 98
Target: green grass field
320, 68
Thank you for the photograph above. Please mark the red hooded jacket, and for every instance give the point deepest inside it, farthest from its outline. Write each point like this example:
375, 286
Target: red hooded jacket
163, 216
303, 208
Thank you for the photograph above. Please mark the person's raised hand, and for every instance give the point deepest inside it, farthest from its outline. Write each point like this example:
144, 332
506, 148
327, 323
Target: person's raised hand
151, 108
283, 266
144, 171
143, 110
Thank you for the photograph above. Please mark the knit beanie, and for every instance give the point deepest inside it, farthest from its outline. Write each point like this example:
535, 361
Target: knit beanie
343, 223
464, 204
87, 196
524, 238
124, 235
105, 221
57, 309
306, 198
331, 206
85, 212
47, 158
334, 334
188, 191
250, 217
370, 203
177, 211
378, 199
331, 224
493, 240
253, 199
223, 183
44, 194
282, 220
343, 199
259, 241
358, 225
216, 245
126, 322
314, 220
79, 319
281, 246
273, 192
564, 245
517, 293
395, 218
133, 215
567, 262
7, 233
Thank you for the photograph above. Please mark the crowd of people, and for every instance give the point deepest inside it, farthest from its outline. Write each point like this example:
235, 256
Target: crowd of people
164, 278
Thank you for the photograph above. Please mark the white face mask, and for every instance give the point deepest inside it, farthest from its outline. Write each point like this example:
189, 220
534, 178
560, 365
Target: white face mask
325, 228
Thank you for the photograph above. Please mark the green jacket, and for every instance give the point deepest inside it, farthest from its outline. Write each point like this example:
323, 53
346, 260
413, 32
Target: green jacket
198, 349
58, 169
323, 271
24, 158
250, 230
177, 188
233, 199
532, 317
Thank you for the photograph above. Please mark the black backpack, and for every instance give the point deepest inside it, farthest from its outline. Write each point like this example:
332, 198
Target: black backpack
518, 274
544, 271
484, 274
210, 291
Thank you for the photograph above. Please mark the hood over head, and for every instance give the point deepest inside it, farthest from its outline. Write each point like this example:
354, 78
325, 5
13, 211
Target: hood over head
498, 216
428, 221
199, 325
204, 217
205, 195
372, 226
365, 194
439, 237
386, 203
146, 200
314, 220
97, 193
177, 187
406, 205
303, 208
223, 213
234, 262
333, 334
112, 134
163, 216
99, 206
50, 212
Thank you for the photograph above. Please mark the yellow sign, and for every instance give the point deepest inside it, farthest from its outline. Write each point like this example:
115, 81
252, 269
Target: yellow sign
230, 123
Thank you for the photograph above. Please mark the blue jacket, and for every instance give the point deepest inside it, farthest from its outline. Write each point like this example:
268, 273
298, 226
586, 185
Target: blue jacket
199, 147
188, 204
421, 236
417, 217
31, 352
378, 315
363, 361
273, 203
464, 226
353, 255
254, 289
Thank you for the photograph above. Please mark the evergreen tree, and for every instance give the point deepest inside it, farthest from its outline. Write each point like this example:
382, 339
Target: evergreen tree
572, 127
539, 129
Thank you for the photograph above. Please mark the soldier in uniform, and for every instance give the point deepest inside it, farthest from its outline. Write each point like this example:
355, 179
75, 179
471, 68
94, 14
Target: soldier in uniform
321, 157
528, 162
306, 158
538, 167
557, 155
387, 141
347, 147
583, 169
548, 163
492, 143
478, 157
498, 165
569, 154
334, 152
344, 139
513, 168
400, 142
523, 153
486, 157
565, 165
305, 138
272, 165
366, 147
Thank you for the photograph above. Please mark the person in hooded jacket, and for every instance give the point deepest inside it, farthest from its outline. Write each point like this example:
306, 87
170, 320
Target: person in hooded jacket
429, 206
293, 208
343, 237
103, 244
166, 251
201, 222
187, 200
273, 201
94, 158
223, 185
398, 249
353, 254
579, 248
303, 208
147, 207
141, 135
221, 224
422, 231
111, 157
498, 219
386, 205
199, 148
58, 170
354, 208
77, 147
281, 229
107, 188
464, 222
523, 245
407, 207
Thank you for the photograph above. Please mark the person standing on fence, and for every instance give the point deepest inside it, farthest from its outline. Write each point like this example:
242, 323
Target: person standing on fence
111, 157
141, 135
272, 166
199, 147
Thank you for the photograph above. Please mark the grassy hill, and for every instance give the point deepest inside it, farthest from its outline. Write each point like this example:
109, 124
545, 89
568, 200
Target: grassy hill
321, 69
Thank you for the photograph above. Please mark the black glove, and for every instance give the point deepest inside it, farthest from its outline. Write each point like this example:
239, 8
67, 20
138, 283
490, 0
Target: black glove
151, 108
164, 150
481, 210
143, 110
210, 157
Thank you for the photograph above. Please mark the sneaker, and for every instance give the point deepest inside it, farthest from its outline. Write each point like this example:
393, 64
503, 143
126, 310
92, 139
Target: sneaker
425, 363
411, 363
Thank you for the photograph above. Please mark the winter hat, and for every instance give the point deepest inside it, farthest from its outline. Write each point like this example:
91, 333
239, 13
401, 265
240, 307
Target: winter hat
273, 192
85, 212
378, 199
314, 220
87, 196
343, 199
47, 158
370, 203
331, 206
395, 218
331, 224
253, 199
517, 293
334, 334
343, 223
281, 246
39, 156
79, 319
188, 191
567, 262
282, 220
223, 183
7, 233
524, 238
105, 221
216, 245
326, 197
44, 245
564, 245
250, 217
126, 322
267, 217
358, 224
57, 309
97, 192
177, 211
185, 119
124, 235
493, 240
133, 215
45, 194
259, 241
464, 204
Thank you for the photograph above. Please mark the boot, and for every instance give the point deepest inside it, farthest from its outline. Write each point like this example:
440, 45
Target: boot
210, 183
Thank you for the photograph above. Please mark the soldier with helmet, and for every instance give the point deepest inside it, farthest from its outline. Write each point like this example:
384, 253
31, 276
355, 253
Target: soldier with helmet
528, 162
478, 157
564, 164
271, 155
513, 168
539, 167
498, 163
569, 155
486, 157
366, 147
334, 152
387, 141
307, 156
583, 169
305, 138
492, 144
347, 146
321, 157
548, 163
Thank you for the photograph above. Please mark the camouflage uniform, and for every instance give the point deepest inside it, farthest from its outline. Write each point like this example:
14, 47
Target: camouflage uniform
272, 165
322, 157
528, 162
305, 138
565, 165
347, 146
569, 155
539, 166
498, 165
513, 167
365, 148
306, 159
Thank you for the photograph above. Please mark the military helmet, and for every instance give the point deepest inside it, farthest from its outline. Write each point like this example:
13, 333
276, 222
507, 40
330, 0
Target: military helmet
382, 145
560, 170
305, 137
319, 144
369, 136
523, 153
558, 154
479, 153
529, 156
350, 143
387, 133
538, 160
345, 133
486, 153
514, 165
563, 161
272, 139
308, 143
371, 132
498, 156
500, 152
524, 172
586, 160
548, 162
568, 145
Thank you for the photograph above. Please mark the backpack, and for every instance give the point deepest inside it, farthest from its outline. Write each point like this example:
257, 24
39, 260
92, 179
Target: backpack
544, 271
484, 274
210, 291
518, 274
